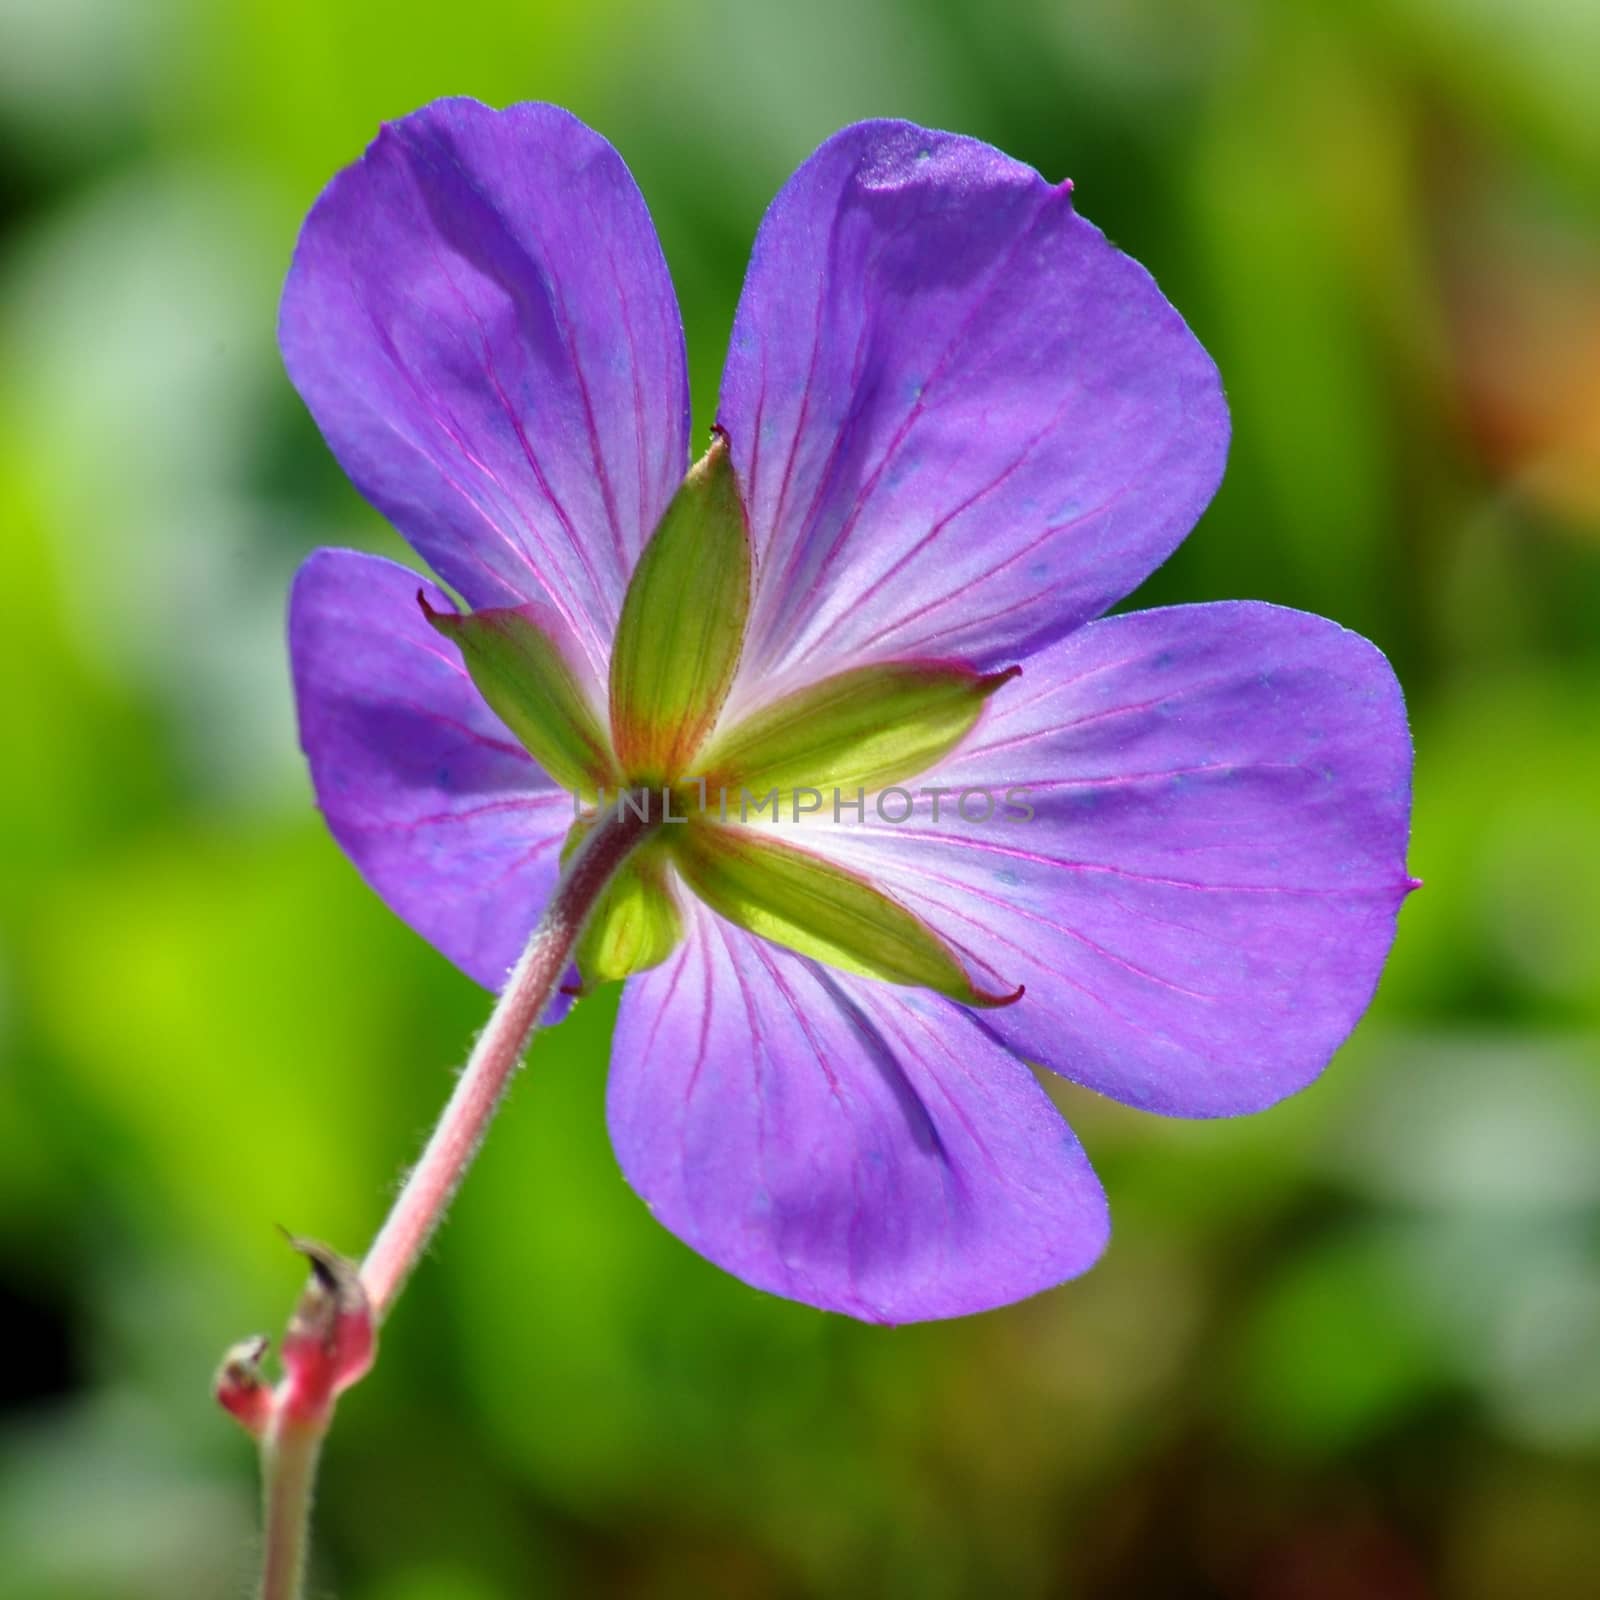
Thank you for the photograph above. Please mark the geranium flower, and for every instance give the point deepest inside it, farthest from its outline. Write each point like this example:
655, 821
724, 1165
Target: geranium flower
955, 425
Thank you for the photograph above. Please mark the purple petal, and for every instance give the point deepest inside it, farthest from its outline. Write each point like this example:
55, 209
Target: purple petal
964, 422
440, 808
858, 1147
481, 321
1203, 901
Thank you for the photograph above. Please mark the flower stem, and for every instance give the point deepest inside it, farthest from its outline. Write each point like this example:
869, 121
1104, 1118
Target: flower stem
421, 1204
330, 1343
288, 1471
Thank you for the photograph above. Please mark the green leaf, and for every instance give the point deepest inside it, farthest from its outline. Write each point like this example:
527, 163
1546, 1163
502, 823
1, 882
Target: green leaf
682, 625
810, 905
868, 727
520, 670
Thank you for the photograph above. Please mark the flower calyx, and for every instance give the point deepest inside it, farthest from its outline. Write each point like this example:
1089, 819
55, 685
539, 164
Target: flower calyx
679, 641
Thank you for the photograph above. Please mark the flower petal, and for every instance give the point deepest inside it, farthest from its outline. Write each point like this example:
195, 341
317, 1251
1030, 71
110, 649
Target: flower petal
1207, 890
481, 321
431, 796
963, 421
860, 1148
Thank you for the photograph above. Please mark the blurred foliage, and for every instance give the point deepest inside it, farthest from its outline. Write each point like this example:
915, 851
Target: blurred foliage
1347, 1348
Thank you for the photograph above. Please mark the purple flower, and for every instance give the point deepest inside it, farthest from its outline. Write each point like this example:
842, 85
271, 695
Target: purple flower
962, 425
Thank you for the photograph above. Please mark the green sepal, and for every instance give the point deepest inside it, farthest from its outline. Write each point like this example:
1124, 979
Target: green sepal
635, 923
682, 625
531, 686
866, 728
806, 904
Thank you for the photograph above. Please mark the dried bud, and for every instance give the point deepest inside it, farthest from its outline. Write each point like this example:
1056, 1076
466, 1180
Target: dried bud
240, 1388
331, 1340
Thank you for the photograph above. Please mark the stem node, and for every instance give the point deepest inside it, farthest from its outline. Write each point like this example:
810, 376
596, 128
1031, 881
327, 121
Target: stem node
332, 1339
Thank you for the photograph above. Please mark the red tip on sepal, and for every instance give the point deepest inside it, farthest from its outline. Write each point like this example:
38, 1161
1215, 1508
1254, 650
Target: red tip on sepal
332, 1338
435, 617
994, 1002
240, 1389
991, 681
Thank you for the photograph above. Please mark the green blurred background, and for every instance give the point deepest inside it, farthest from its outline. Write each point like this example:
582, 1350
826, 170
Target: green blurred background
1350, 1347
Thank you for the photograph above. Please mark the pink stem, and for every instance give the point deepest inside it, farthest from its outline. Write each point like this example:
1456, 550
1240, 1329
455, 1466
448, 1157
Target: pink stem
324, 1356
494, 1060
289, 1471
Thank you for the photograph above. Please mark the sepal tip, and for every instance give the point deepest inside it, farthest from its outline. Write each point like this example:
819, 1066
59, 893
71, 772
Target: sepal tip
240, 1388
991, 681
332, 1337
996, 1002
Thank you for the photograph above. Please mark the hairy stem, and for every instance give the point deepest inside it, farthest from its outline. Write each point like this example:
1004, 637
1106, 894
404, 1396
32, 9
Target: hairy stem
288, 1471
423, 1201
301, 1408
